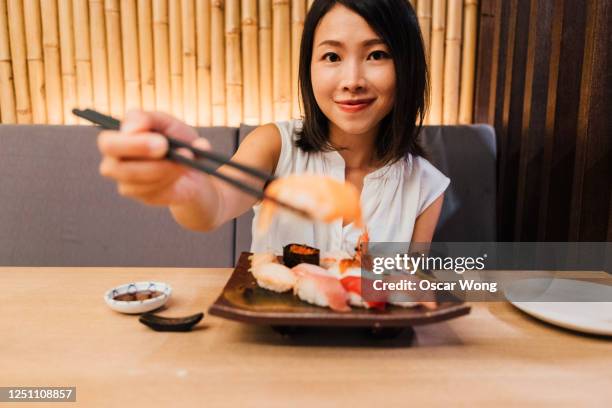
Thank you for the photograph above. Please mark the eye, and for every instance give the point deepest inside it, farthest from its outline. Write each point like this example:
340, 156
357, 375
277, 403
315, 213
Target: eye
379, 55
331, 57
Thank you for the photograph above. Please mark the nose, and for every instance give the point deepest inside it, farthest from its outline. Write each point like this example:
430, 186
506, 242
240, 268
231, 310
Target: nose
352, 77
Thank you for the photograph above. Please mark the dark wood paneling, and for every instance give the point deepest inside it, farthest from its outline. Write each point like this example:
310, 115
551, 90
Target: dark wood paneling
543, 82
534, 120
512, 114
610, 220
593, 176
489, 27
561, 121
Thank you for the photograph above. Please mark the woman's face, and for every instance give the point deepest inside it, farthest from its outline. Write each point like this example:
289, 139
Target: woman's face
352, 73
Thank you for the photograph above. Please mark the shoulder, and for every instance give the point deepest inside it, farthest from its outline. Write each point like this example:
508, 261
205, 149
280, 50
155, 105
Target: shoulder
266, 137
422, 168
431, 181
275, 141
260, 148
276, 133
288, 128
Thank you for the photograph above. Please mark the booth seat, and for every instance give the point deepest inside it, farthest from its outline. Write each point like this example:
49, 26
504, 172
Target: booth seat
56, 210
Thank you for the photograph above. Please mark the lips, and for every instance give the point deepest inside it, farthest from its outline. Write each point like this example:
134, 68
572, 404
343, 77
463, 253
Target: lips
354, 105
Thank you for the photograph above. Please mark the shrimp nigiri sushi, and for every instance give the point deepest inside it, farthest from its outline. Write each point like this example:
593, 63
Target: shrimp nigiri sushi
314, 285
322, 198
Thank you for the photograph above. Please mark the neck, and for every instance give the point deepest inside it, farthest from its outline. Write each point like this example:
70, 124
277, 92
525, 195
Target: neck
357, 150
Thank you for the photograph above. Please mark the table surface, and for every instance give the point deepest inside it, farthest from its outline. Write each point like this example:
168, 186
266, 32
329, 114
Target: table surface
57, 331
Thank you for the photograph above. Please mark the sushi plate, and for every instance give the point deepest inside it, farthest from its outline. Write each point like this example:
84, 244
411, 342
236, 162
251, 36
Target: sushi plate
244, 301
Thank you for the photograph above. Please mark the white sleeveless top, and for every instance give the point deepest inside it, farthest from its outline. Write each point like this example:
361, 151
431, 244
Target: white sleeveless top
391, 200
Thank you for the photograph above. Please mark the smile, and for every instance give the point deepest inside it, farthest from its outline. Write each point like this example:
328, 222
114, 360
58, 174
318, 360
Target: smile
352, 106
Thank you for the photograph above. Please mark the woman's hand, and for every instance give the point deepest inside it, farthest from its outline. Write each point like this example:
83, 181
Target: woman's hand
133, 157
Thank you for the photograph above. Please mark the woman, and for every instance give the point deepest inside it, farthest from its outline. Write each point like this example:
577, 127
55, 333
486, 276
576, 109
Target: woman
363, 80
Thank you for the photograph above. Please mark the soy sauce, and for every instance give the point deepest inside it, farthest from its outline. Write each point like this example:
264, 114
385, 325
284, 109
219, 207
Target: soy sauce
138, 296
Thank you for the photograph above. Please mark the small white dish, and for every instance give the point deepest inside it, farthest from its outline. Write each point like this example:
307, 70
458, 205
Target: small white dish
593, 317
137, 306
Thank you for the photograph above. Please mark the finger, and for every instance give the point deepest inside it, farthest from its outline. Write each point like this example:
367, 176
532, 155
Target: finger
201, 143
145, 145
139, 171
163, 197
142, 191
185, 152
138, 121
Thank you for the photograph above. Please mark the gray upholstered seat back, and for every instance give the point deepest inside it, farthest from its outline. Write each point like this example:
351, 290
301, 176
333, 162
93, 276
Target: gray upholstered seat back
56, 210
466, 154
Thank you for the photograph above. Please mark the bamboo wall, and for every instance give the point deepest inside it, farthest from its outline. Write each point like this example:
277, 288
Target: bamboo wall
209, 62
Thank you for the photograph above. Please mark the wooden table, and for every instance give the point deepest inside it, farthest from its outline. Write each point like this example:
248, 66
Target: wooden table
57, 331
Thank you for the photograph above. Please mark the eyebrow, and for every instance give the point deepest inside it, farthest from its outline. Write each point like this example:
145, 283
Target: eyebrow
366, 43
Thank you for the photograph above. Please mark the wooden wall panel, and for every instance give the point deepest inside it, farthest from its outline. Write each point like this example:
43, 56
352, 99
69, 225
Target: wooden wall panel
208, 62
190, 80
145, 48
36, 69
544, 84
19, 61
593, 175
561, 121
7, 93
112, 19
98, 54
250, 51
534, 120
82, 53
510, 131
217, 69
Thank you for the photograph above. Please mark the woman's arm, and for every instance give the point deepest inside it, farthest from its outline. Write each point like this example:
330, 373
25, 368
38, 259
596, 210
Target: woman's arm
133, 158
260, 149
425, 224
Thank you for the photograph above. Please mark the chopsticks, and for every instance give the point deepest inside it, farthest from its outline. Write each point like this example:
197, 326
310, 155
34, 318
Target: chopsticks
108, 122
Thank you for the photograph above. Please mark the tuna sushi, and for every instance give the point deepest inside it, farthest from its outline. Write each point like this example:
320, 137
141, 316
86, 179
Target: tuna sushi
314, 285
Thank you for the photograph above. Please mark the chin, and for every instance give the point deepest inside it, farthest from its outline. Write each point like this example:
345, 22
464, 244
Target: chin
354, 127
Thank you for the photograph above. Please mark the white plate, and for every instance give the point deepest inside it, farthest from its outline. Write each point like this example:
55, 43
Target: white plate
137, 306
580, 315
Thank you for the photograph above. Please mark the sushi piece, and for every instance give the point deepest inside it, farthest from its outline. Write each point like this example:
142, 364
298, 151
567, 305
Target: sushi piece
274, 277
295, 254
262, 258
361, 248
352, 284
348, 271
314, 285
404, 304
321, 198
328, 259
341, 267
406, 299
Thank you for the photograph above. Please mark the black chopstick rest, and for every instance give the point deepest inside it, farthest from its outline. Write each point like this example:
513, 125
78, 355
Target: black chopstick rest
176, 324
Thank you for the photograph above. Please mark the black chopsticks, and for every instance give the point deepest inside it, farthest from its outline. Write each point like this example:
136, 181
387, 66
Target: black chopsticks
108, 122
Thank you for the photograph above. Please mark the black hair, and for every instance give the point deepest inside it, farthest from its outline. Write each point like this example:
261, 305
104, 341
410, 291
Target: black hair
396, 23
